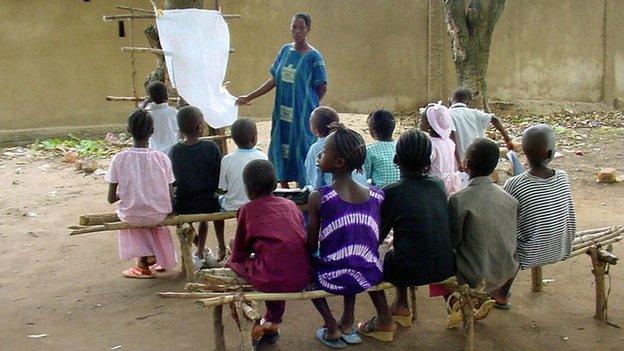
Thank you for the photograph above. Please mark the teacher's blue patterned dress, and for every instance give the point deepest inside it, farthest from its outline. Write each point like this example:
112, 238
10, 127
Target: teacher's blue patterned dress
297, 75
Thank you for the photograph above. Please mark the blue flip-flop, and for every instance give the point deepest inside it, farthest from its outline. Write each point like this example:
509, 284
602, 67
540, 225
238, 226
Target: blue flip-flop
351, 338
334, 344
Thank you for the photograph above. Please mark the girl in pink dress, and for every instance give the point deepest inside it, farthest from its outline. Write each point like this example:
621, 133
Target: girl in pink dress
437, 121
140, 178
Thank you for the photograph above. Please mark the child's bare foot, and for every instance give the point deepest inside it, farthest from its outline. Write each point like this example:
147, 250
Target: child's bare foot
222, 253
400, 310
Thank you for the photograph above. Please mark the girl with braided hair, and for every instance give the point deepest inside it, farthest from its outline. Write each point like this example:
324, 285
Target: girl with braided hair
416, 210
140, 180
343, 232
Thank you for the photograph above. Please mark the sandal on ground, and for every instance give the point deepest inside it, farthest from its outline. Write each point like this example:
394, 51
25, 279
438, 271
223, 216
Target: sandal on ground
402, 320
333, 343
484, 310
368, 329
502, 306
453, 313
351, 337
138, 273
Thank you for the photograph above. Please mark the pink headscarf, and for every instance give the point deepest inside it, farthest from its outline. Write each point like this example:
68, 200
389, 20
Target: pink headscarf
440, 120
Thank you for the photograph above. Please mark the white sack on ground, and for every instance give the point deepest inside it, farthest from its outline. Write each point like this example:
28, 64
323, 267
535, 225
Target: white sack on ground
197, 45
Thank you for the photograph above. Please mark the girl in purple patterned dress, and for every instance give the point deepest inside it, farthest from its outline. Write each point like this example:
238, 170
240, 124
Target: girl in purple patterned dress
343, 227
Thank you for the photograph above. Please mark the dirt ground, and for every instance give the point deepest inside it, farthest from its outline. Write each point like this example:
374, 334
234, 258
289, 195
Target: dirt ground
71, 288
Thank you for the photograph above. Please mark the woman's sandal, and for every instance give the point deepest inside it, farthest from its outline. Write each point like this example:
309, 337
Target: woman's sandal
333, 343
368, 329
351, 337
484, 309
402, 320
137, 272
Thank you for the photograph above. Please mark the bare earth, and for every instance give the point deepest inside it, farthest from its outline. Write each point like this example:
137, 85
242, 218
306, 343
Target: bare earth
72, 290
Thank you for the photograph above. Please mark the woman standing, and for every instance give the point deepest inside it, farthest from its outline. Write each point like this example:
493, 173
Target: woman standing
299, 78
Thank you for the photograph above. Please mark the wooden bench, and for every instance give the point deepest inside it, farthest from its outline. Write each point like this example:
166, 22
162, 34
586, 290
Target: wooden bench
242, 301
597, 243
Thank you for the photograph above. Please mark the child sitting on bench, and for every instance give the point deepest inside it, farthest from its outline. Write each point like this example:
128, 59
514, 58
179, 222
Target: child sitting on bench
379, 166
343, 234
416, 209
245, 136
546, 220
196, 164
483, 225
272, 229
140, 178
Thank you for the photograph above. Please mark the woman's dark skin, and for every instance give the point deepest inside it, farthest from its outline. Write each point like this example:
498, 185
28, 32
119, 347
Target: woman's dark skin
299, 31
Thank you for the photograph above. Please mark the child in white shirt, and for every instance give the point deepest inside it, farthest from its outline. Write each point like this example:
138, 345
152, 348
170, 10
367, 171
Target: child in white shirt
245, 136
164, 116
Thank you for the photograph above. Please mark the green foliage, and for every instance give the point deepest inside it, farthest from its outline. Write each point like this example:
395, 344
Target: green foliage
83, 147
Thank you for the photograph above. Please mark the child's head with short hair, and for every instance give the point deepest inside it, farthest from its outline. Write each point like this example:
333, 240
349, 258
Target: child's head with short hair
538, 144
481, 157
191, 122
461, 94
140, 125
344, 152
320, 120
381, 124
157, 91
244, 133
259, 179
413, 152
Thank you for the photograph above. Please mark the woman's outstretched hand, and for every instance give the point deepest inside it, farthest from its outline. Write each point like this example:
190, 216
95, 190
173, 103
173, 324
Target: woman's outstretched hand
243, 100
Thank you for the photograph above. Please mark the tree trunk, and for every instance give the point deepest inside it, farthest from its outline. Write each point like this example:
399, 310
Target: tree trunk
470, 29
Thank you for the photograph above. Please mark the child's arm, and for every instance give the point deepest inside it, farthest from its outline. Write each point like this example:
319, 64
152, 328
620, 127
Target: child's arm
458, 162
314, 221
112, 193
499, 126
456, 224
239, 245
368, 167
387, 219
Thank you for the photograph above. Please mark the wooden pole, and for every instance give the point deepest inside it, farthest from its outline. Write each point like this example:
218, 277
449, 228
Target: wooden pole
536, 279
191, 295
132, 99
169, 221
304, 295
218, 328
598, 270
226, 16
412, 290
246, 320
601, 244
133, 58
467, 306
132, 50
186, 234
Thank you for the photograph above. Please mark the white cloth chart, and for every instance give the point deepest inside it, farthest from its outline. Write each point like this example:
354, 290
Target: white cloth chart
197, 45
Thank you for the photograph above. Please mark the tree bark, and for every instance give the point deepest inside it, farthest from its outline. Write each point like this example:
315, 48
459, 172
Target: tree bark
470, 29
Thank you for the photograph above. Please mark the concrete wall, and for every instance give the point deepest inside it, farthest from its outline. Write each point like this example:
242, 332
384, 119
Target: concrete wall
60, 60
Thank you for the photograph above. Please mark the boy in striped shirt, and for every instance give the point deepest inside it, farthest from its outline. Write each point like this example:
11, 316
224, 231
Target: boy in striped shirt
546, 220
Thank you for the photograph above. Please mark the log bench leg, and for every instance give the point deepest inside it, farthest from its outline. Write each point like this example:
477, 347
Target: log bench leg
218, 329
186, 234
467, 309
412, 291
247, 318
599, 271
536, 279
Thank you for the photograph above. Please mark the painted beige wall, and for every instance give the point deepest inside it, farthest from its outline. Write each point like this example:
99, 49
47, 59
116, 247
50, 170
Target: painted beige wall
60, 59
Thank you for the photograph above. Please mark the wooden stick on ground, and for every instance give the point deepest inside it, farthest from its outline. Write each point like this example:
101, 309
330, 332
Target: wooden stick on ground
191, 295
